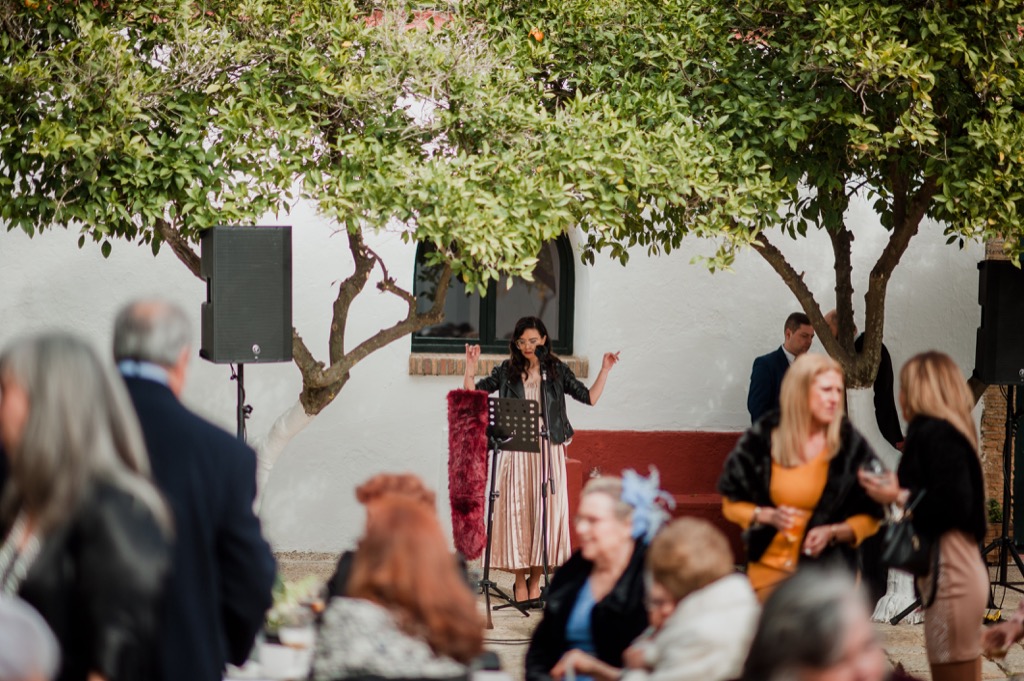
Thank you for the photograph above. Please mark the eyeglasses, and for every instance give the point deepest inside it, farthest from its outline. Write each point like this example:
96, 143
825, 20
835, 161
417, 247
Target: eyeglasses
523, 343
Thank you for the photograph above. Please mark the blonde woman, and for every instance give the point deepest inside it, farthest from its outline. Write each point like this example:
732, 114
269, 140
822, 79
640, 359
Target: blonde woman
791, 482
940, 460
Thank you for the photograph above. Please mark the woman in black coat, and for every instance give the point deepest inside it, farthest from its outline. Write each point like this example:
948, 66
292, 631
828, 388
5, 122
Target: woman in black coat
941, 474
86, 535
532, 372
595, 606
791, 481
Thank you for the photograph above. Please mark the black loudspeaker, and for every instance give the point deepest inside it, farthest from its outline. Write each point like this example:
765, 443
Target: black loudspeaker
999, 353
247, 316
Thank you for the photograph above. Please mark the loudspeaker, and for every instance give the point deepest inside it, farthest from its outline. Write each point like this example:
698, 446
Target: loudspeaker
999, 352
247, 316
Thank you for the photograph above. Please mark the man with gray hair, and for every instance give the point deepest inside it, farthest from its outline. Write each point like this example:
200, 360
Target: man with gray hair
223, 570
28, 649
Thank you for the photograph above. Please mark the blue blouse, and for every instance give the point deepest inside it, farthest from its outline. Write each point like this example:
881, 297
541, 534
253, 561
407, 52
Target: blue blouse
578, 633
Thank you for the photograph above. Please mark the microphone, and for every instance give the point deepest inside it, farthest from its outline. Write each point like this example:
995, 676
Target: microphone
541, 352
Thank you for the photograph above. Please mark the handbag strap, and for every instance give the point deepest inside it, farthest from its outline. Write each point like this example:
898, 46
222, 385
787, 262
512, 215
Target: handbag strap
913, 504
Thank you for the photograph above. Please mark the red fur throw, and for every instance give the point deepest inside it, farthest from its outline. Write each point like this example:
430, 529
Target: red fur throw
467, 469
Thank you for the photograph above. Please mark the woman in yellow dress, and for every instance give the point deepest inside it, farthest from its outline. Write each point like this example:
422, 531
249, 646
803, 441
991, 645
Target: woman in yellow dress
791, 481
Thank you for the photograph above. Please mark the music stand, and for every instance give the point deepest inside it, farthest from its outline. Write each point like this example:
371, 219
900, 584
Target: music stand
512, 423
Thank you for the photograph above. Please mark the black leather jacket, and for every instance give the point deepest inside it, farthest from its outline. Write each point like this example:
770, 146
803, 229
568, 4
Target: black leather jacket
562, 382
98, 582
747, 472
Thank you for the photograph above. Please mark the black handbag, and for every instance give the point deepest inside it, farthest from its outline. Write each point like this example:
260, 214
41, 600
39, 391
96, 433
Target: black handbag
903, 548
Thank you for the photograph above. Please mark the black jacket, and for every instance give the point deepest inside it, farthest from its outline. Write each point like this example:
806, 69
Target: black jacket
616, 620
562, 382
937, 458
223, 570
766, 382
98, 582
885, 403
746, 476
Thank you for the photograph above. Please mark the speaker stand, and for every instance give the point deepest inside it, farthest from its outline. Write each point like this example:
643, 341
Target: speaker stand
242, 410
1003, 544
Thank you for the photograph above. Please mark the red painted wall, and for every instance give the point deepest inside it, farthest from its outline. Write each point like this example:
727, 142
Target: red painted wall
689, 463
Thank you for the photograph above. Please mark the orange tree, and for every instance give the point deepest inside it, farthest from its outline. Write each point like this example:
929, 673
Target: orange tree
918, 104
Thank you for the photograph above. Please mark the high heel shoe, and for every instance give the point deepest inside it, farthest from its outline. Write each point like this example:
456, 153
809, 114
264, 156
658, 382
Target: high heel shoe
526, 593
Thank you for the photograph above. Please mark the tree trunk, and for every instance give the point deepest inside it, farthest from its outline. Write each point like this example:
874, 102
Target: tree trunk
899, 594
270, 446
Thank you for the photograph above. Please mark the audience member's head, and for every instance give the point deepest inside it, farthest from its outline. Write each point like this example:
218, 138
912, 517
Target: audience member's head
403, 564
816, 627
156, 332
799, 334
687, 555
404, 484
811, 396
832, 319
28, 649
931, 385
65, 421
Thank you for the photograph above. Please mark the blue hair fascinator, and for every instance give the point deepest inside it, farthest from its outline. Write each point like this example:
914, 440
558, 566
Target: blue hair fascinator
644, 495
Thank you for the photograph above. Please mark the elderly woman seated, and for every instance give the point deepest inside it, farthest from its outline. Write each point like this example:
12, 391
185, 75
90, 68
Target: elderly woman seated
702, 613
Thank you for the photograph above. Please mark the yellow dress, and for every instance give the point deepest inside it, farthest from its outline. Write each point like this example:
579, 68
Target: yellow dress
800, 487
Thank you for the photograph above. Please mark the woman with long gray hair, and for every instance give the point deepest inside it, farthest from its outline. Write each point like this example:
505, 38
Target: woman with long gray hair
86, 535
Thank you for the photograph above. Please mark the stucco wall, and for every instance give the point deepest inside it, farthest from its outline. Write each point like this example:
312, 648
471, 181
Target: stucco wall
687, 339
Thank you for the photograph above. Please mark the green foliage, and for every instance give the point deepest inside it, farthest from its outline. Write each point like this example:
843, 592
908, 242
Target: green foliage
798, 105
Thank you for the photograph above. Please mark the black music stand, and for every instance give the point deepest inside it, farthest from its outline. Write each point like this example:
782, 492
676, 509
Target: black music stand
511, 422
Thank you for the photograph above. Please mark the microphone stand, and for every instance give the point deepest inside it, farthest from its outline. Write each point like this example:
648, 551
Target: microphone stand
547, 482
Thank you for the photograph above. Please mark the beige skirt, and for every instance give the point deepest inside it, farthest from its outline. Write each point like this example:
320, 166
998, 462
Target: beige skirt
518, 531
952, 624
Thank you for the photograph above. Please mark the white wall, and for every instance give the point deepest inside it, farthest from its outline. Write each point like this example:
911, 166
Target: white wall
687, 339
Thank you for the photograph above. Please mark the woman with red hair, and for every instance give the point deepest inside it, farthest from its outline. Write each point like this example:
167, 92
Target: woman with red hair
409, 613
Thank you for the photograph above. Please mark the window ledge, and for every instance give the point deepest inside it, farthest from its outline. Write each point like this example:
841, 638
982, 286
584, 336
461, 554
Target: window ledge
454, 364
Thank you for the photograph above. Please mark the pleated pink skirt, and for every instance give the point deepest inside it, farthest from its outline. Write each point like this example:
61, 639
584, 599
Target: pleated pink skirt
518, 528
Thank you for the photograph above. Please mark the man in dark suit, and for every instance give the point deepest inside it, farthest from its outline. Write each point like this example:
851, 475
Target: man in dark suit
766, 375
223, 571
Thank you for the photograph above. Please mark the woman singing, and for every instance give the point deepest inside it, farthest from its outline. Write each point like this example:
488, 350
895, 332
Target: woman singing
517, 538
791, 481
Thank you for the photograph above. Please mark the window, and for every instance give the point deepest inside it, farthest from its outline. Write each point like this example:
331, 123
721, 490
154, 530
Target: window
492, 319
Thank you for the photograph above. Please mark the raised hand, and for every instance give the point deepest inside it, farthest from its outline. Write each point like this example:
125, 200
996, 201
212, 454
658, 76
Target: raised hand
610, 359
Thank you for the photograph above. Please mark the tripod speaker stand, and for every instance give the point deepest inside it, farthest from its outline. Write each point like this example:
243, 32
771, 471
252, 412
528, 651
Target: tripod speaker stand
1004, 543
511, 423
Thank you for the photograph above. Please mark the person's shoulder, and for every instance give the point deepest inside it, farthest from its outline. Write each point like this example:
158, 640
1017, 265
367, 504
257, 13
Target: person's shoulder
771, 357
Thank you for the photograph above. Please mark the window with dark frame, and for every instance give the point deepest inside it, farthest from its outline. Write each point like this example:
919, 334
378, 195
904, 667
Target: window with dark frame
490, 320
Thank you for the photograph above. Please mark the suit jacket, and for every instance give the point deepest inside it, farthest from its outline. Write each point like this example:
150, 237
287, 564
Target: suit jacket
885, 403
616, 620
766, 382
222, 570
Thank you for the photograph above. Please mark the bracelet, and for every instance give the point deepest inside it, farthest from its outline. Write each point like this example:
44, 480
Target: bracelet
754, 519
832, 535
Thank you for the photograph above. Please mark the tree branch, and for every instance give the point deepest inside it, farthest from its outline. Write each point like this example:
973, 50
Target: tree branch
348, 290
907, 215
179, 245
413, 322
796, 284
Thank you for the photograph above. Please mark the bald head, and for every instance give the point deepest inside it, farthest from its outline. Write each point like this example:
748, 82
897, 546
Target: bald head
832, 319
154, 331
